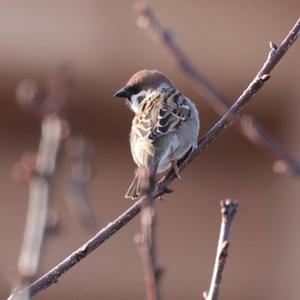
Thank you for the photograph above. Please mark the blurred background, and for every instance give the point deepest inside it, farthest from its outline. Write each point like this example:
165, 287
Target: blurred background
228, 42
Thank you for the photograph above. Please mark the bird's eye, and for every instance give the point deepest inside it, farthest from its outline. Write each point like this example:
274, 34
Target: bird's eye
134, 90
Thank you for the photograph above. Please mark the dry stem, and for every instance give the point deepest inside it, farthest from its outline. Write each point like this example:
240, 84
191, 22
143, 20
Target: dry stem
228, 210
146, 241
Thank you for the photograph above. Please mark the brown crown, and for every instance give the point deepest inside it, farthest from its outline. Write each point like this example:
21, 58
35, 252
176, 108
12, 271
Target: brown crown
147, 79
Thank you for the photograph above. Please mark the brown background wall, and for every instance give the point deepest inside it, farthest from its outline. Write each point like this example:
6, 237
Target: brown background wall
228, 41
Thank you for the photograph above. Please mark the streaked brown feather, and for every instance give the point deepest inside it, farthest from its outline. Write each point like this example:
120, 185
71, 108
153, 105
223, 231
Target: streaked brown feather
161, 114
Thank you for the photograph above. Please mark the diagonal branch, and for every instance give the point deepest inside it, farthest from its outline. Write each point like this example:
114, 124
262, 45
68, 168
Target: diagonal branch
52, 276
250, 129
228, 210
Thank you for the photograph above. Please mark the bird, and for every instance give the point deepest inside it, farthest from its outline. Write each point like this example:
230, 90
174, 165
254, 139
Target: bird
164, 129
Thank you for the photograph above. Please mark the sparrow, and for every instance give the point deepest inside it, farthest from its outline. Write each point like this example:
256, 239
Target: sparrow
164, 129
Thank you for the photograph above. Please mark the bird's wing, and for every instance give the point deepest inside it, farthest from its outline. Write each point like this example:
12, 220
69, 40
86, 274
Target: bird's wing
161, 114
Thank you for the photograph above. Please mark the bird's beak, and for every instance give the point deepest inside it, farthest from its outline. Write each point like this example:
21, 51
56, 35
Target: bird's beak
121, 93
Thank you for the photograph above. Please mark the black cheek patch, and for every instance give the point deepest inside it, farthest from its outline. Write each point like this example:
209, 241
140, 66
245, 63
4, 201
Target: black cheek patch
140, 99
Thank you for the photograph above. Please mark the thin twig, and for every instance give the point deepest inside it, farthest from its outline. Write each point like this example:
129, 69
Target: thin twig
256, 134
105, 233
146, 241
228, 210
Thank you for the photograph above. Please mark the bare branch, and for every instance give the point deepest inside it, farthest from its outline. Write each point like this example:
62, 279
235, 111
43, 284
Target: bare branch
146, 241
52, 276
256, 134
228, 210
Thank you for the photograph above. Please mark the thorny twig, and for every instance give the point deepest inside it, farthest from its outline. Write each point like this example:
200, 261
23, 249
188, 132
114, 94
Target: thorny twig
249, 126
228, 210
105, 233
146, 241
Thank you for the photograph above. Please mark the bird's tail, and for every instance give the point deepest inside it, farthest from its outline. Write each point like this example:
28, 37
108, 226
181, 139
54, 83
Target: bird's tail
140, 184
133, 191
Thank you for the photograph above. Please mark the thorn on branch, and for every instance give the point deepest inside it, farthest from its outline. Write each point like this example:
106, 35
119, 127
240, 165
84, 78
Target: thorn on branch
265, 77
273, 46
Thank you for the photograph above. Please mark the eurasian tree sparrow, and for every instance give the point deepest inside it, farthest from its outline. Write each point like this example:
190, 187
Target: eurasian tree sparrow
165, 126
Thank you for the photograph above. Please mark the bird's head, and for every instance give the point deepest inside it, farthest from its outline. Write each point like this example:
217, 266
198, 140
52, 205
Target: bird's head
141, 85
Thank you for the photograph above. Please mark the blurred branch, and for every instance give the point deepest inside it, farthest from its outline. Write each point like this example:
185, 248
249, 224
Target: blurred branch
39, 191
56, 124
256, 133
80, 152
146, 241
52, 276
228, 210
78, 148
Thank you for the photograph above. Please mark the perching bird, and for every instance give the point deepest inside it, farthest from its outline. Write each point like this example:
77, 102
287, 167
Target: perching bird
165, 126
